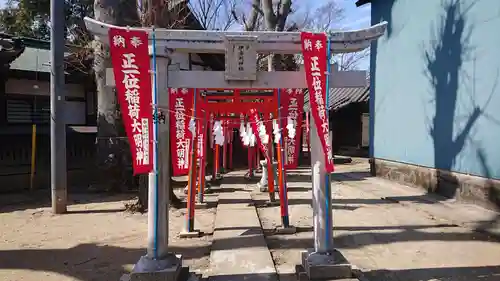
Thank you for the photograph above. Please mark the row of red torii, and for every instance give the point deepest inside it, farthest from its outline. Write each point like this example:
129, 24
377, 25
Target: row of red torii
215, 117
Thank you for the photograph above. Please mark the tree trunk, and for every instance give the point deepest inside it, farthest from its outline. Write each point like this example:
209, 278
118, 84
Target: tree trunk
113, 152
158, 16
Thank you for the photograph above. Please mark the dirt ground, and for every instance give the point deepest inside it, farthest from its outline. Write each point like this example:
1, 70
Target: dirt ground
95, 241
407, 239
389, 231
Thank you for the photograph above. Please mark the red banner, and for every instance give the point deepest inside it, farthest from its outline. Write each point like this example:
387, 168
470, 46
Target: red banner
315, 58
256, 123
131, 65
181, 109
292, 101
201, 132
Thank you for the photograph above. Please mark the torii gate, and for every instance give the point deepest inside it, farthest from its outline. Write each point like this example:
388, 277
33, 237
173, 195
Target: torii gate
240, 49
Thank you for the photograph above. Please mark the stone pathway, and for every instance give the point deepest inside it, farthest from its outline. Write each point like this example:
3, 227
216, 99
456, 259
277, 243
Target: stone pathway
389, 231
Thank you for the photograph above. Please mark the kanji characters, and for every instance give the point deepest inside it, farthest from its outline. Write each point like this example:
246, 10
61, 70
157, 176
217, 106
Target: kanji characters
307, 45
135, 41
119, 41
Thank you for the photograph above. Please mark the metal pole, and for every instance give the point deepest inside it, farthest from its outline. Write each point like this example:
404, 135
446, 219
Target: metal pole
323, 241
158, 203
322, 195
58, 182
192, 174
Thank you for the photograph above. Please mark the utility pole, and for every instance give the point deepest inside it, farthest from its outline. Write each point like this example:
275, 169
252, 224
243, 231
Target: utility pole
58, 181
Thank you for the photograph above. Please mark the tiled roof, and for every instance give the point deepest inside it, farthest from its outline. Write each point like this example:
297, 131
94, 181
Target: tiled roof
340, 97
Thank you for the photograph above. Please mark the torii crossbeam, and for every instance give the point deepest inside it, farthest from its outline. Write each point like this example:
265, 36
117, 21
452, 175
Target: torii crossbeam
241, 50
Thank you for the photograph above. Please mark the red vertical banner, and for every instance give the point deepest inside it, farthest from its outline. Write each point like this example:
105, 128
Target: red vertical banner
181, 107
131, 65
315, 58
306, 133
256, 124
210, 130
292, 101
201, 131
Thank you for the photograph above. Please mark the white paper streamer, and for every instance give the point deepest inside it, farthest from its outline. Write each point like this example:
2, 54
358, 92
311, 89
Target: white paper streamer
242, 129
291, 128
218, 133
276, 131
192, 126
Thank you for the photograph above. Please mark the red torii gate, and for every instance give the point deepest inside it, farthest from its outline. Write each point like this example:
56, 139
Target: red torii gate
228, 105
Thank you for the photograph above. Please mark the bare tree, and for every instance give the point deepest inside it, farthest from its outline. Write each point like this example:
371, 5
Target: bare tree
327, 18
214, 14
177, 14
113, 156
351, 61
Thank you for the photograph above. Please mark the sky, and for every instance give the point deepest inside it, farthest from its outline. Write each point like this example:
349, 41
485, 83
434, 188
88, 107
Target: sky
354, 18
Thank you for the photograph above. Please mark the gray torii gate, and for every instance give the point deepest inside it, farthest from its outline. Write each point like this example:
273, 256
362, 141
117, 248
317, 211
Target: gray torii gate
240, 49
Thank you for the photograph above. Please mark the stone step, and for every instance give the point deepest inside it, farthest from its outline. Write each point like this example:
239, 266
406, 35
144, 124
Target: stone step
239, 249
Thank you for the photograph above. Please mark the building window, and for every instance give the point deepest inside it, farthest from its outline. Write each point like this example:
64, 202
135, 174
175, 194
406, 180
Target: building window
28, 109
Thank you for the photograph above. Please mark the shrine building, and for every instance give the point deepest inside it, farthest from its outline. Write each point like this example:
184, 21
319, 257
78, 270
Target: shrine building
434, 96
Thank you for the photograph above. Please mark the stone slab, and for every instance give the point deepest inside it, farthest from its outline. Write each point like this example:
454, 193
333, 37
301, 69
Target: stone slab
286, 230
239, 250
190, 234
324, 267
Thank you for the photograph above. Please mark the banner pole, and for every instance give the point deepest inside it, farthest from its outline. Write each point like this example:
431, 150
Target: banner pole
153, 210
189, 231
328, 190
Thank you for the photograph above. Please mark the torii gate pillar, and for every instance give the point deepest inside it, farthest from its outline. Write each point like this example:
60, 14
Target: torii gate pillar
240, 49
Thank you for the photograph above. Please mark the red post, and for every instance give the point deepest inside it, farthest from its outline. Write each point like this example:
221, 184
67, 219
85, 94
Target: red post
216, 161
250, 161
307, 133
224, 151
257, 158
202, 168
231, 152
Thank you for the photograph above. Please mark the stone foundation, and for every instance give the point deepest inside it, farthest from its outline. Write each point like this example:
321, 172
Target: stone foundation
472, 189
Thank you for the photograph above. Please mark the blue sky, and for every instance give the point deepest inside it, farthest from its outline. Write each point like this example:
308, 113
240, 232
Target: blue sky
355, 18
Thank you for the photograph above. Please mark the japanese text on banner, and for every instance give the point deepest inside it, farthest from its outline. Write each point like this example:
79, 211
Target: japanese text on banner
181, 106
293, 107
131, 65
315, 61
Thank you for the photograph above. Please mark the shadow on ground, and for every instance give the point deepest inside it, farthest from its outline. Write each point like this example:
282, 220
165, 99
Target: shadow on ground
479, 273
85, 262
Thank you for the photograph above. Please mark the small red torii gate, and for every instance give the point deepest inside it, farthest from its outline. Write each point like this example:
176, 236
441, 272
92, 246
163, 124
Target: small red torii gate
227, 105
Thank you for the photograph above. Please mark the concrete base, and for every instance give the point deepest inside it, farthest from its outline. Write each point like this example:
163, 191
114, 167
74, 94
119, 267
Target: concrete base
147, 269
301, 275
286, 230
326, 267
262, 187
272, 203
201, 206
190, 234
